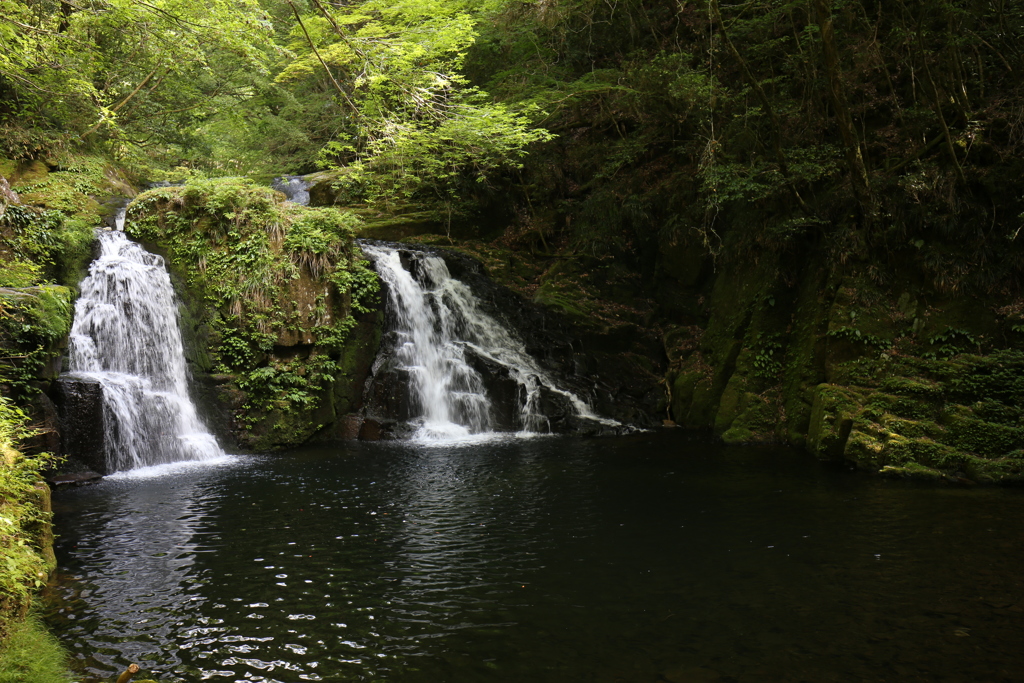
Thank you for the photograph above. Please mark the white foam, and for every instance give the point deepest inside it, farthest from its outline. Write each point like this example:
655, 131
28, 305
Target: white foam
167, 469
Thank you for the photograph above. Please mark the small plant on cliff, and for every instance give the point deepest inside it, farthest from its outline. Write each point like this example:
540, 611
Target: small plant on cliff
318, 239
769, 356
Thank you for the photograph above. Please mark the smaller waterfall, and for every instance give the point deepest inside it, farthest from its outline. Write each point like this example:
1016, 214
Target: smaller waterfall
443, 337
125, 336
294, 187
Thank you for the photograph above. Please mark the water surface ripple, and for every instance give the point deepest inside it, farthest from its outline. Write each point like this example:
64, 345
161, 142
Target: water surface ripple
648, 558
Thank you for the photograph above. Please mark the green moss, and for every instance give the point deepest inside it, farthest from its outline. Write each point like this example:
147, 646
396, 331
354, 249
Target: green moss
831, 421
18, 273
998, 376
34, 325
913, 386
738, 435
912, 428
278, 286
864, 446
980, 436
903, 406
75, 189
912, 471
922, 450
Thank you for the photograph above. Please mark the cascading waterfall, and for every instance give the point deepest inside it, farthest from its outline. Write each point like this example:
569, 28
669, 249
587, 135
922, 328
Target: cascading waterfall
294, 187
439, 326
125, 336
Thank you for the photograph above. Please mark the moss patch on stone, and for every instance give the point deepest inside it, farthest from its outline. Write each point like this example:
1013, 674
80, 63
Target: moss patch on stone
275, 288
34, 326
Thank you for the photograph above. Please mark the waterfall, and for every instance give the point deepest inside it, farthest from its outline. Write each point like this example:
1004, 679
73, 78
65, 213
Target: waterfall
443, 338
294, 187
125, 336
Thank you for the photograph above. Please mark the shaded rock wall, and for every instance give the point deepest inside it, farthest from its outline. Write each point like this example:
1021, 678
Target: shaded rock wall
888, 373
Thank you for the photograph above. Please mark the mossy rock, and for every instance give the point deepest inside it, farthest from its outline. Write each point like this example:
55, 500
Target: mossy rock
34, 329
924, 451
912, 471
912, 428
274, 291
913, 386
1005, 470
739, 435
998, 376
89, 187
980, 436
863, 447
903, 406
747, 411
29, 172
832, 419
683, 387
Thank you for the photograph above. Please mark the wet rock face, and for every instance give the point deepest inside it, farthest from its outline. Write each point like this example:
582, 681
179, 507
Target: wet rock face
504, 391
387, 396
80, 406
578, 359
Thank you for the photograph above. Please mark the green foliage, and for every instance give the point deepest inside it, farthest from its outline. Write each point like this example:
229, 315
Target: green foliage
123, 70
34, 323
42, 245
18, 273
955, 417
769, 356
316, 240
852, 334
951, 342
22, 567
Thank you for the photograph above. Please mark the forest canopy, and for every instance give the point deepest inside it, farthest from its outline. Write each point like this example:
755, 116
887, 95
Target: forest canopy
796, 115
248, 88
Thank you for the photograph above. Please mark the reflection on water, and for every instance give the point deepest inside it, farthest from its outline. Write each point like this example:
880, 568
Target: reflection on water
644, 558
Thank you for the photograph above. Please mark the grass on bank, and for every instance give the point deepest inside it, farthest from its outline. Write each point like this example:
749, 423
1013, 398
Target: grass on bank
32, 654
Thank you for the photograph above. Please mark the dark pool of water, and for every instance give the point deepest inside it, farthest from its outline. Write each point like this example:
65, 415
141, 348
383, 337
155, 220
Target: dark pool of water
649, 558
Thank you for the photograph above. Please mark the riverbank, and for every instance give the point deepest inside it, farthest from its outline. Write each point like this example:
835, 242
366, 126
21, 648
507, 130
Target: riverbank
27, 650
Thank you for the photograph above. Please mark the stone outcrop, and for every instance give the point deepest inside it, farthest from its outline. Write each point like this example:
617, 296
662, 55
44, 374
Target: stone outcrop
895, 377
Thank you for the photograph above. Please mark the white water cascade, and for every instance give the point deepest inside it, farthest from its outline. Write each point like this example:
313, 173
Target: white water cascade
125, 336
294, 187
439, 324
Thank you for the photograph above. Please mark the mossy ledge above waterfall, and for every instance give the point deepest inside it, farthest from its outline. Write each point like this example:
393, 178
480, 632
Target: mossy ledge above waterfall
279, 306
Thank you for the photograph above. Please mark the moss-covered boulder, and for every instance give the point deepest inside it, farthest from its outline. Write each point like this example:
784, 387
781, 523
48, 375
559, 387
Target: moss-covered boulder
34, 326
281, 310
